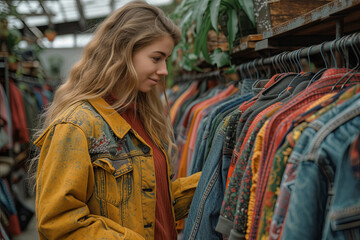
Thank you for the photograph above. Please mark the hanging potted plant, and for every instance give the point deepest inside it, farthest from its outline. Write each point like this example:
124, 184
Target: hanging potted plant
13, 40
50, 34
3, 36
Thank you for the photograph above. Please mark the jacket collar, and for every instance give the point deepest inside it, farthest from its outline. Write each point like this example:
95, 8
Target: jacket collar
117, 123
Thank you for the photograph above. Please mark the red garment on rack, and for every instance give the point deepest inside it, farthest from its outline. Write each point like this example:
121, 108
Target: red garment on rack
243, 107
19, 126
280, 123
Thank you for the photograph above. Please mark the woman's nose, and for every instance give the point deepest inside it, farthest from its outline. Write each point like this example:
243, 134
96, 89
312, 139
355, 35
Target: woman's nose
162, 70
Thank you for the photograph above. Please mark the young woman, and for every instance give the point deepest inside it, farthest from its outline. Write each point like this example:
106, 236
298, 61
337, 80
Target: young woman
104, 169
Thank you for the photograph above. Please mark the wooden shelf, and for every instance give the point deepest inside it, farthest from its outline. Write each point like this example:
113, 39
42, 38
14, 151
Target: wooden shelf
322, 18
325, 23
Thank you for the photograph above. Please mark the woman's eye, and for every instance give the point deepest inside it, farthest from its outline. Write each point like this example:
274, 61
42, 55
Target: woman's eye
156, 59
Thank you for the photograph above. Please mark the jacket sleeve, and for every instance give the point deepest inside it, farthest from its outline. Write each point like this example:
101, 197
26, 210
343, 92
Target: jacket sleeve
65, 183
184, 189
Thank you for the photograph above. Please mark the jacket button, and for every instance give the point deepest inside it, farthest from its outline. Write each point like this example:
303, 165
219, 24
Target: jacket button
145, 149
148, 225
112, 151
147, 189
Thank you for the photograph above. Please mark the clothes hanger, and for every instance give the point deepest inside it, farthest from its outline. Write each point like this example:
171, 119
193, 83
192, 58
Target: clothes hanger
240, 71
283, 68
277, 65
282, 61
308, 57
319, 73
295, 56
255, 68
355, 70
289, 64
345, 50
332, 52
355, 50
280, 66
248, 70
273, 64
266, 72
302, 70
342, 52
292, 61
218, 76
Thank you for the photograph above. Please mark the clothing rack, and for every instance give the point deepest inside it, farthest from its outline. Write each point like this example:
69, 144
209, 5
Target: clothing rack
343, 42
34, 81
198, 76
5, 67
347, 41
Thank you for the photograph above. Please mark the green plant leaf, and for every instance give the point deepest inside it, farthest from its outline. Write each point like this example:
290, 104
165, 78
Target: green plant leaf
183, 8
214, 14
174, 55
13, 38
184, 15
234, 4
231, 69
200, 41
188, 63
199, 13
220, 58
248, 7
186, 21
232, 27
12, 58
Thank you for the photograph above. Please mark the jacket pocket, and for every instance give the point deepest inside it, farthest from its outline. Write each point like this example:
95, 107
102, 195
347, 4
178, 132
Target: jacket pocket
113, 180
347, 220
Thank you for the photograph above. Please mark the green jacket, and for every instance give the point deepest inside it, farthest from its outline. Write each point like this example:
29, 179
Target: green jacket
91, 172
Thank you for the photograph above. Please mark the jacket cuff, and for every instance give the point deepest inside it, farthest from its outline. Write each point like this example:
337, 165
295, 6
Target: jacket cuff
224, 226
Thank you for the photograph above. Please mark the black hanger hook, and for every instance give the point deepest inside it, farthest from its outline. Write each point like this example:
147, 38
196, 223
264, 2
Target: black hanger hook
308, 56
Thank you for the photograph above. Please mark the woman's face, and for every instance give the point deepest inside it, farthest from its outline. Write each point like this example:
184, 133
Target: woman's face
150, 62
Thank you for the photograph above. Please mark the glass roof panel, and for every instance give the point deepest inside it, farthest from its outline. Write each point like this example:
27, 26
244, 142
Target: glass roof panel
83, 39
159, 2
70, 10
96, 10
55, 8
36, 21
14, 22
37, 14
63, 41
23, 7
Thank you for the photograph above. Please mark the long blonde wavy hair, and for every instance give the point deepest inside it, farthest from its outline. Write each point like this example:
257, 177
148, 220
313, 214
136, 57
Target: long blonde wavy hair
106, 67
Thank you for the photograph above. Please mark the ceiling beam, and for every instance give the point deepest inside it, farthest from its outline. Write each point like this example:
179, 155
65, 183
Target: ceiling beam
62, 10
72, 27
33, 30
46, 12
82, 20
36, 14
112, 5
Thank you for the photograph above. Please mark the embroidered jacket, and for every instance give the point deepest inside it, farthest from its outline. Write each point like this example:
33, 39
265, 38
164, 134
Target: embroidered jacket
96, 178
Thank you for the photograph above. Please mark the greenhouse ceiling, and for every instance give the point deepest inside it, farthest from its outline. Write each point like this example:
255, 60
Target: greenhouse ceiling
34, 17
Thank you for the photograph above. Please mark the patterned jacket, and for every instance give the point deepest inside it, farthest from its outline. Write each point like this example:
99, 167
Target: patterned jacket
94, 176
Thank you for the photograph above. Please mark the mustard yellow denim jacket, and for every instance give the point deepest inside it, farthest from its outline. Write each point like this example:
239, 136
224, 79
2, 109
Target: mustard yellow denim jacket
94, 176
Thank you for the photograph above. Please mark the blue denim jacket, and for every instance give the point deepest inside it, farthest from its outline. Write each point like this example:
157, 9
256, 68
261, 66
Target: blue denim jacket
202, 218
313, 205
